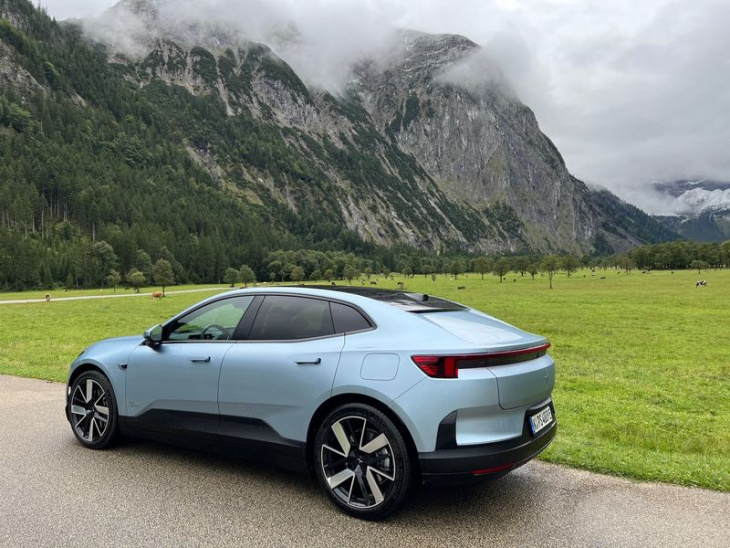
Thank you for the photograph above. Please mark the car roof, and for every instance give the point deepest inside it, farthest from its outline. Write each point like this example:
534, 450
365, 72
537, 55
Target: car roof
404, 300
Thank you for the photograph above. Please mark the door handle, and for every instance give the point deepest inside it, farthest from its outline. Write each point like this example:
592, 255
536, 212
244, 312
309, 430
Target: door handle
315, 361
200, 359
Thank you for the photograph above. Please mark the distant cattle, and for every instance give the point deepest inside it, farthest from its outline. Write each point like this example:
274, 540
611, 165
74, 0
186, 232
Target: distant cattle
461, 287
48, 297
373, 283
157, 295
701, 283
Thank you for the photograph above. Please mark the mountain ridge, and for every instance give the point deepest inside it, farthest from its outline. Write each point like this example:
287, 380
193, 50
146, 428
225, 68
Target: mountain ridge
235, 137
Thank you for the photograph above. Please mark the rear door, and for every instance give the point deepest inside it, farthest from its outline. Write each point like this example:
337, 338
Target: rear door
271, 383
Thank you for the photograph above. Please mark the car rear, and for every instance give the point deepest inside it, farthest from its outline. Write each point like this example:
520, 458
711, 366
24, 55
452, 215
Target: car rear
485, 407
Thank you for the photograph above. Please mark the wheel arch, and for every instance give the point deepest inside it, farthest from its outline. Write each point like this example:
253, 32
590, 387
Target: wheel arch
115, 378
83, 368
342, 399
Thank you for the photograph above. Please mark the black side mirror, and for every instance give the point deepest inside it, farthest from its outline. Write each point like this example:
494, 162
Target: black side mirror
153, 335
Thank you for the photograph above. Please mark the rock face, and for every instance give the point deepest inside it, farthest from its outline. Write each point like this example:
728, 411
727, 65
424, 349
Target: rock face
440, 101
428, 145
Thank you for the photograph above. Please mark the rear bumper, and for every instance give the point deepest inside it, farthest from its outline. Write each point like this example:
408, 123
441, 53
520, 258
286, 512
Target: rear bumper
463, 464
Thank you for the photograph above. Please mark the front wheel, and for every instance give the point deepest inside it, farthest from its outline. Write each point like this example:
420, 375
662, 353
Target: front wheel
92, 410
362, 462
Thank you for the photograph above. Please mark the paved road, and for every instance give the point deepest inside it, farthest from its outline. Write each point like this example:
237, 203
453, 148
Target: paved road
55, 493
112, 296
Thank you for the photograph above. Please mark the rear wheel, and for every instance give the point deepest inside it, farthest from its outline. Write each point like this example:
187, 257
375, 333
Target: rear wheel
362, 462
93, 410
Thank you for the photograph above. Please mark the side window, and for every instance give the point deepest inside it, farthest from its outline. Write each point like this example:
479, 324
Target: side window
213, 322
347, 319
284, 318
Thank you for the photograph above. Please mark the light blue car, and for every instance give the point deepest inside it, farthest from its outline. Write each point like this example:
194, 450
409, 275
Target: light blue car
371, 390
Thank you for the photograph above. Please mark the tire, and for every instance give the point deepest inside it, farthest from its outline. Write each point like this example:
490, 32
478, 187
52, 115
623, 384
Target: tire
361, 460
92, 411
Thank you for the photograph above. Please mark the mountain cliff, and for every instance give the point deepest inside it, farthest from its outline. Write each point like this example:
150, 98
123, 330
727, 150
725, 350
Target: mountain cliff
425, 146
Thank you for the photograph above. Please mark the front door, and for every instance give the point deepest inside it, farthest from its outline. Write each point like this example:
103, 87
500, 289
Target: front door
174, 386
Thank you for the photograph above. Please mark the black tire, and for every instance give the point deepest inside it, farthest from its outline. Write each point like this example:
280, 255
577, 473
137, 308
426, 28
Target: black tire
92, 411
361, 460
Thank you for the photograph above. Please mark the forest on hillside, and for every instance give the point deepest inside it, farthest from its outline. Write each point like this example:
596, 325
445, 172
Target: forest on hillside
98, 183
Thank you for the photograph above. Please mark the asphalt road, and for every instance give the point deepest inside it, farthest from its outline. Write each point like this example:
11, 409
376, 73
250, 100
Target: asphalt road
53, 492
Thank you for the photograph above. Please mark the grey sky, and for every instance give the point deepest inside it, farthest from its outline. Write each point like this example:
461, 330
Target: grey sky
630, 91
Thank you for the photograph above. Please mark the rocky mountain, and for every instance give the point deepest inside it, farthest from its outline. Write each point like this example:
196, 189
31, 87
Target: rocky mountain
701, 208
425, 146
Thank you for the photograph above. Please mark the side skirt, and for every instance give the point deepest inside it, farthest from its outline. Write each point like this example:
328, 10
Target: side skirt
238, 437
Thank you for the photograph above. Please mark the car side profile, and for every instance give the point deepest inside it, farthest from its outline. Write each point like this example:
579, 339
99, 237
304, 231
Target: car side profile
373, 391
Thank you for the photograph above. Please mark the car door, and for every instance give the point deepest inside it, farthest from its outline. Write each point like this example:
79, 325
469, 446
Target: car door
272, 382
173, 387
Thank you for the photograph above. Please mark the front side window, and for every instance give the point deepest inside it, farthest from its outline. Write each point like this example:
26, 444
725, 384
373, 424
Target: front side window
285, 318
216, 321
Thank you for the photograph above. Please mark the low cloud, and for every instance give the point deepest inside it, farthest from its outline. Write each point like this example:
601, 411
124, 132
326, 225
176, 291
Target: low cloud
629, 91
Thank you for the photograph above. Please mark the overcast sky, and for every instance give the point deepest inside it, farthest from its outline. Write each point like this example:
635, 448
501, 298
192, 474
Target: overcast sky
629, 90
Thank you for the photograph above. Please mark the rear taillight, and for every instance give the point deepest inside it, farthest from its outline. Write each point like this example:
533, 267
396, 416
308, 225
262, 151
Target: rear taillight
438, 367
447, 367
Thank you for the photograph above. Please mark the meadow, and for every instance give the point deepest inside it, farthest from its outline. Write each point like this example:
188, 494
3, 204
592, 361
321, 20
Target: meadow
643, 361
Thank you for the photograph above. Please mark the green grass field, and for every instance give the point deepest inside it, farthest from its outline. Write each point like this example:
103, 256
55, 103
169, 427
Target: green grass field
643, 361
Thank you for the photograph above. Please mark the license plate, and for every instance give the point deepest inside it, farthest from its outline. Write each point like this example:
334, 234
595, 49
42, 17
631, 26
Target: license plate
540, 420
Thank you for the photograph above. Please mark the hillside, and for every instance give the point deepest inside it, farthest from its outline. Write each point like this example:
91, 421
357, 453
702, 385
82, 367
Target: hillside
212, 156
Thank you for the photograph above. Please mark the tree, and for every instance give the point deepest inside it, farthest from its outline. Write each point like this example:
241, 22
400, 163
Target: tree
522, 265
232, 276
315, 275
725, 249
456, 268
500, 268
549, 266
297, 274
103, 259
482, 265
570, 264
349, 272
625, 262
328, 274
246, 275
135, 278
143, 263
699, 265
114, 279
163, 274
533, 269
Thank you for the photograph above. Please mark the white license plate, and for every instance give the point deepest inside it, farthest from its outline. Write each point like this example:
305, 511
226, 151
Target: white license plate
540, 420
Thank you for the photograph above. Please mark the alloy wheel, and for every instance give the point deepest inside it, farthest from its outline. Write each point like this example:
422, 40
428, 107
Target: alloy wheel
90, 410
358, 463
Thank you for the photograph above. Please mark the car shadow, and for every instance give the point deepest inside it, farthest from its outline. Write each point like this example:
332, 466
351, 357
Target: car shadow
499, 503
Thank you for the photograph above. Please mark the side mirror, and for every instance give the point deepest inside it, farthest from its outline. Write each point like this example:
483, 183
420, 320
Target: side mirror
153, 336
